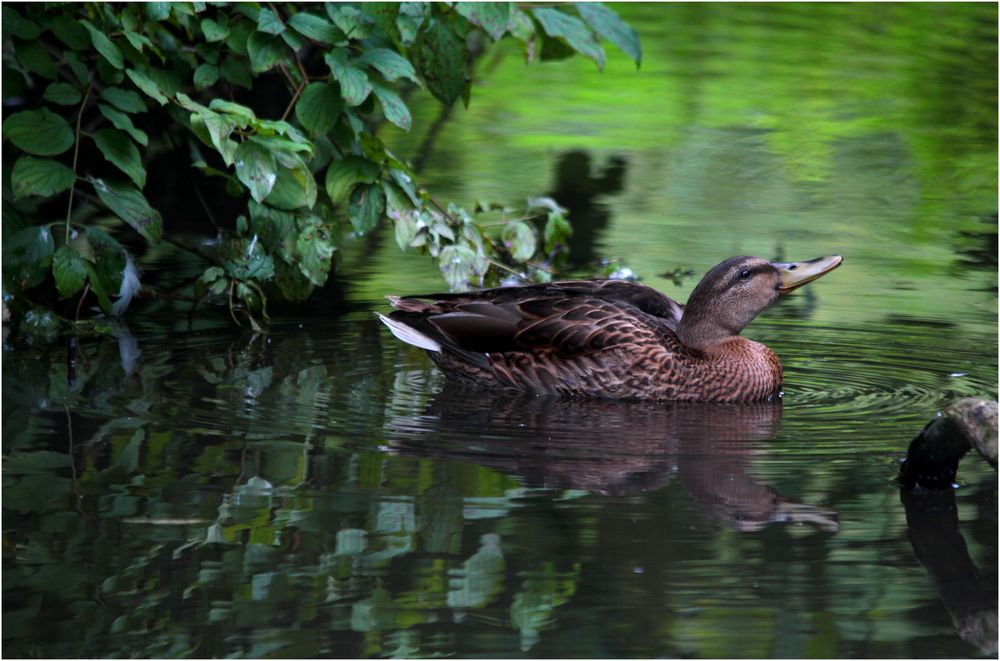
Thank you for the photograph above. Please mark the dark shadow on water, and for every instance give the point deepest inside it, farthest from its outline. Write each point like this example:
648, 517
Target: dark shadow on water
977, 249
612, 448
577, 188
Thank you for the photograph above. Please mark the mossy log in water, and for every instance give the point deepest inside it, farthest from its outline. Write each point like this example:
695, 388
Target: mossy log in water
933, 456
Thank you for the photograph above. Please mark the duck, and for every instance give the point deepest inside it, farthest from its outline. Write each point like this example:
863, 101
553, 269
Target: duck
608, 338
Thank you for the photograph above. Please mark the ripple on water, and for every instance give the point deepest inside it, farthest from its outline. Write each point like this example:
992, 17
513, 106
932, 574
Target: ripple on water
879, 383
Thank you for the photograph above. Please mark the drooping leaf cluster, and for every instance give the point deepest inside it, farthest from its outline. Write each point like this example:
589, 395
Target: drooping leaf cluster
278, 105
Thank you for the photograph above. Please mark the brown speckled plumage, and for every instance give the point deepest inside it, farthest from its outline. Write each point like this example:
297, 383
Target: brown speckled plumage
609, 338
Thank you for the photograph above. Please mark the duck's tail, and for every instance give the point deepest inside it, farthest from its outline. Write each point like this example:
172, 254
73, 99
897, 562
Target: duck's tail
409, 334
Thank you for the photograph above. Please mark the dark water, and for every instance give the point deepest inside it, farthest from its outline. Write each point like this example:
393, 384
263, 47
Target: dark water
194, 490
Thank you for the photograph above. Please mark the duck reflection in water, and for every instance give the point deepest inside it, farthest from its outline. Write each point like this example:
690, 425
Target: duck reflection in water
616, 448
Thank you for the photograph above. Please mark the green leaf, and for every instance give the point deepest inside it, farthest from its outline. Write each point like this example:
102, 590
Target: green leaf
158, 11
573, 30
108, 74
108, 50
124, 100
130, 17
78, 68
122, 152
205, 75
342, 176
250, 262
187, 8
33, 56
214, 31
256, 168
124, 122
293, 40
237, 72
393, 107
39, 132
108, 268
268, 21
69, 270
519, 238
69, 32
390, 64
458, 265
411, 16
265, 50
396, 202
317, 28
405, 182
318, 107
440, 57
294, 286
354, 84
62, 93
557, 230
145, 83
99, 286
276, 229
27, 256
141, 41
295, 186
219, 128
168, 81
18, 26
315, 248
490, 16
271, 127
129, 204
283, 145
607, 24
367, 204
243, 115
239, 32
13, 83
40, 176
406, 229
383, 14
349, 19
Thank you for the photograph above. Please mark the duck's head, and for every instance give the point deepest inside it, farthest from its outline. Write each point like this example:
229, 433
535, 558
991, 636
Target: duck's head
737, 290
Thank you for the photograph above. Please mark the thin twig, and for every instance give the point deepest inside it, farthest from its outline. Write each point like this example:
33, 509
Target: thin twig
157, 295
440, 208
86, 288
295, 97
288, 76
232, 285
72, 463
76, 152
504, 267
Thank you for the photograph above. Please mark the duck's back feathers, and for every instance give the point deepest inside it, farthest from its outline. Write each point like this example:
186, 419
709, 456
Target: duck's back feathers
645, 299
552, 338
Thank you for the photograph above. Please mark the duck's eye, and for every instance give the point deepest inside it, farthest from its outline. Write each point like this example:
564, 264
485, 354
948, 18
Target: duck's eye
744, 274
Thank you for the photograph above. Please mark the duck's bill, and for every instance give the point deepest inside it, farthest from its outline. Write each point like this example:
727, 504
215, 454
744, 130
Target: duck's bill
796, 274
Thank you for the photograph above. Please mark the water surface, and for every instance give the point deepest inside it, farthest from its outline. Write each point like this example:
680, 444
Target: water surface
189, 489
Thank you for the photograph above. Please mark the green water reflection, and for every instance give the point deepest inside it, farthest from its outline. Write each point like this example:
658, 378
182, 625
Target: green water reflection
179, 491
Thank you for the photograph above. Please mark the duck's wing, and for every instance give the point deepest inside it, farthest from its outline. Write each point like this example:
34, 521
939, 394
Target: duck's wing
560, 319
664, 309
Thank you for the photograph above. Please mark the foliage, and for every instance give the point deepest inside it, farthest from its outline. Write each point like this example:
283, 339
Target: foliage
280, 106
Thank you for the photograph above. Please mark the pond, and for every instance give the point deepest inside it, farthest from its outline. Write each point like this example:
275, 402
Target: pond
187, 488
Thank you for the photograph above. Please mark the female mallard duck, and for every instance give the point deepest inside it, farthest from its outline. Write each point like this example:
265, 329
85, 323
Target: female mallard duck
610, 338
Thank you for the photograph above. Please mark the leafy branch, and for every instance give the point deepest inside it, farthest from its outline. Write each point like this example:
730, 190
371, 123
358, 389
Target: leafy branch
147, 79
